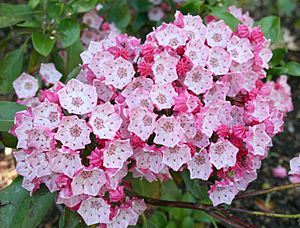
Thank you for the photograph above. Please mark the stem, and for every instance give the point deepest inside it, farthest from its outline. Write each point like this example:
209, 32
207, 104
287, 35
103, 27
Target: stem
226, 218
266, 191
260, 213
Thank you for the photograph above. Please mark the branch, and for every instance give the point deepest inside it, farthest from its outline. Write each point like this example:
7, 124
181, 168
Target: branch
224, 217
266, 191
260, 213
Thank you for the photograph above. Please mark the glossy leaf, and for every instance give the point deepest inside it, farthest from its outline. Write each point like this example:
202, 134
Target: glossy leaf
7, 114
145, 188
33, 3
70, 219
20, 210
42, 43
292, 68
117, 11
69, 32
141, 5
10, 68
73, 56
198, 190
83, 6
12, 14
270, 25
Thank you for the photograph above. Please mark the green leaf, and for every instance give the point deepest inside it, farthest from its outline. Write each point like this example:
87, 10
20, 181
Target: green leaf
70, 219
192, 6
35, 61
33, 3
20, 210
73, 56
10, 68
55, 8
42, 43
8, 140
7, 114
292, 68
270, 26
73, 74
13, 14
201, 216
30, 24
158, 220
69, 31
169, 191
194, 187
118, 12
83, 6
228, 18
141, 5
187, 222
278, 55
145, 188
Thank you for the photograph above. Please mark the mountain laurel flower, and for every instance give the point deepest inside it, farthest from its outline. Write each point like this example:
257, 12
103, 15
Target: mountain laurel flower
191, 96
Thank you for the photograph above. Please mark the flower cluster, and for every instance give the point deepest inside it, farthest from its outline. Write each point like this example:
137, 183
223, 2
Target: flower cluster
191, 97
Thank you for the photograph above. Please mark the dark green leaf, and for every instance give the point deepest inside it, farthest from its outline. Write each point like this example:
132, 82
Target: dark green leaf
69, 32
83, 6
157, 220
171, 225
169, 191
270, 25
293, 68
187, 222
35, 61
10, 68
13, 14
192, 6
73, 56
194, 187
228, 18
73, 73
33, 3
8, 140
201, 216
42, 43
278, 55
141, 5
145, 188
7, 114
70, 219
118, 12
30, 24
20, 210
55, 8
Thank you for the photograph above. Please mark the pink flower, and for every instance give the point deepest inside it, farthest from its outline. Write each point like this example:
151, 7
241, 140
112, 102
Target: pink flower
162, 95
171, 35
219, 61
176, 156
200, 166
168, 131
218, 34
25, 86
73, 132
164, 68
49, 73
78, 98
94, 210
104, 121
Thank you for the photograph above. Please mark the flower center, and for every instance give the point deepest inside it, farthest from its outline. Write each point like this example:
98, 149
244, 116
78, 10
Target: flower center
168, 127
77, 101
75, 131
